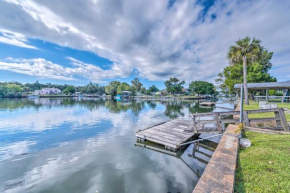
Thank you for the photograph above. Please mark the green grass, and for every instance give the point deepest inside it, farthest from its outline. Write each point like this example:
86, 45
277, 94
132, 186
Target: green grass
255, 106
265, 166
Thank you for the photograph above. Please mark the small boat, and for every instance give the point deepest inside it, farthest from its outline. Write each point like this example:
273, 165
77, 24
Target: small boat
118, 96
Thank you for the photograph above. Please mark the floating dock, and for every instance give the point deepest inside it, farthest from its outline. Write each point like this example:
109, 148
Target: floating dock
170, 134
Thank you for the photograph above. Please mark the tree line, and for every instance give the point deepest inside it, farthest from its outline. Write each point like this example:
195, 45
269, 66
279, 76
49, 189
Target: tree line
173, 86
17, 89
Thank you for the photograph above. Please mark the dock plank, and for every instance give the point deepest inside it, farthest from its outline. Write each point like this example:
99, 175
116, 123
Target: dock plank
171, 133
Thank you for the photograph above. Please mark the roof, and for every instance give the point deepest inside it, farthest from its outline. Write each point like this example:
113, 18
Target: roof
266, 85
50, 89
126, 92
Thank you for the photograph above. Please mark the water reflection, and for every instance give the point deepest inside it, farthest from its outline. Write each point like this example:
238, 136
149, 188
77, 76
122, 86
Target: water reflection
200, 153
87, 145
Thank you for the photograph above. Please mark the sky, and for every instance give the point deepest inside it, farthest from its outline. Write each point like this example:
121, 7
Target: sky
82, 41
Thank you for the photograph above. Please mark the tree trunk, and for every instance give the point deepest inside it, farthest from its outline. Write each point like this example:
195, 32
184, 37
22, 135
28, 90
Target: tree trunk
245, 80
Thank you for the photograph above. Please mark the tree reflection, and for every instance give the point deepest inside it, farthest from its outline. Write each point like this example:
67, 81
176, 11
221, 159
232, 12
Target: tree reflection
173, 109
152, 104
124, 105
17, 103
196, 108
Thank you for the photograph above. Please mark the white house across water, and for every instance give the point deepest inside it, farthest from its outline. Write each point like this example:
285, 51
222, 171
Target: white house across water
47, 91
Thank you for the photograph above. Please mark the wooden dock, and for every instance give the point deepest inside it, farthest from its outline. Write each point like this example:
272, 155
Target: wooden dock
170, 134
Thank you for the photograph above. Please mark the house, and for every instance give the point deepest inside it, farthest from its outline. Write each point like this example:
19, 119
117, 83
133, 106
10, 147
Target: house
47, 91
186, 90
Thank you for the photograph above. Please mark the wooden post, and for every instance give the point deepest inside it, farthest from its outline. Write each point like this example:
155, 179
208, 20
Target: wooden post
277, 116
283, 119
194, 148
218, 124
246, 118
194, 124
267, 94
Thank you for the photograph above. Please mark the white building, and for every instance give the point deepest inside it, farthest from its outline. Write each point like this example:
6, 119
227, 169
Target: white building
46, 91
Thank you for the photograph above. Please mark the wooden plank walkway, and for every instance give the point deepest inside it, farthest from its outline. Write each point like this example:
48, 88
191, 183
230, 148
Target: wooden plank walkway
170, 134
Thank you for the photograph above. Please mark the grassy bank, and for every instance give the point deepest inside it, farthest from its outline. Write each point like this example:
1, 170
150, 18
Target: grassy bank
265, 166
254, 105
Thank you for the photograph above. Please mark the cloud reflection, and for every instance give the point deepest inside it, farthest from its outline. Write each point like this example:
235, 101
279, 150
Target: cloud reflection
104, 159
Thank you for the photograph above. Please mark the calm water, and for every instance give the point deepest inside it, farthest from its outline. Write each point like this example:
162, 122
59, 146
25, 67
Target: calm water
89, 145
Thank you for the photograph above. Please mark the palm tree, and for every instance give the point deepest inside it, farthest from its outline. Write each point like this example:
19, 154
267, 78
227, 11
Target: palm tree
245, 51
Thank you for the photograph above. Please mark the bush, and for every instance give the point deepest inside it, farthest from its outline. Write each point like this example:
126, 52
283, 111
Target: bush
272, 92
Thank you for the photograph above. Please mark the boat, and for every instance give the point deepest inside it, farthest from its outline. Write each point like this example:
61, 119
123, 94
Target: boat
118, 96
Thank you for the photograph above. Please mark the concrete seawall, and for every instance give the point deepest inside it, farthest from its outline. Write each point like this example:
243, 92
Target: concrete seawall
219, 175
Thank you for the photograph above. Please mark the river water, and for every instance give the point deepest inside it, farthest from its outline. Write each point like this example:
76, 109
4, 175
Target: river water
89, 145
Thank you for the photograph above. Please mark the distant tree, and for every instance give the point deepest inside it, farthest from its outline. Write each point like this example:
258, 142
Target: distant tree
123, 87
111, 89
153, 88
69, 90
245, 51
143, 90
13, 88
137, 84
201, 87
133, 90
174, 85
92, 88
220, 82
10, 89
148, 92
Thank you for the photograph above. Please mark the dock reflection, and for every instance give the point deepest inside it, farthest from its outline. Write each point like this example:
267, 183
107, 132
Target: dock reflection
195, 156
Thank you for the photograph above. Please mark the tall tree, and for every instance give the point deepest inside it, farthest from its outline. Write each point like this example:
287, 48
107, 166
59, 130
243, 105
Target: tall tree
201, 87
143, 90
245, 51
174, 85
69, 90
111, 89
137, 84
220, 82
153, 88
257, 71
123, 87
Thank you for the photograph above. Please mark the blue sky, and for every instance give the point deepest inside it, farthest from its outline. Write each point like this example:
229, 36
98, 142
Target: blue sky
59, 55
103, 40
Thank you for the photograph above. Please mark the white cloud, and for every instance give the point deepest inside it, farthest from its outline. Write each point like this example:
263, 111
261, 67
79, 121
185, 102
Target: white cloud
148, 36
15, 39
42, 68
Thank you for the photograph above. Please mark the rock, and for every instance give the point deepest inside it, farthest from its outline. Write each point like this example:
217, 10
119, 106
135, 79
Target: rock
244, 142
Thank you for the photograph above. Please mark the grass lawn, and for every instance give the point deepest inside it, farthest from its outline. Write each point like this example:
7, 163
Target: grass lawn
254, 105
265, 166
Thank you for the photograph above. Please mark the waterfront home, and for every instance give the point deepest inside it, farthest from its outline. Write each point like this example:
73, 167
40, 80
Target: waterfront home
47, 91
